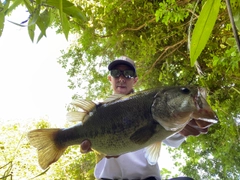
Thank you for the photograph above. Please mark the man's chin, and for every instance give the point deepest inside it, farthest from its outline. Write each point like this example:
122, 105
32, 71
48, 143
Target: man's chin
122, 90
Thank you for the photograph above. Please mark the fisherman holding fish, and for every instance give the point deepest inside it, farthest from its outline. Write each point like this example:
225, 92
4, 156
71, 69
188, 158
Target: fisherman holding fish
126, 130
134, 165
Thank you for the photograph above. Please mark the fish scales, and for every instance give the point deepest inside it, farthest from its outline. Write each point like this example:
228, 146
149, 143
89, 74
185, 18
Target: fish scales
104, 130
121, 123
126, 124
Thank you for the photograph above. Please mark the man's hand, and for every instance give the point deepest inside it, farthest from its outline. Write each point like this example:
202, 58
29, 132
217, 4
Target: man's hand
85, 147
195, 127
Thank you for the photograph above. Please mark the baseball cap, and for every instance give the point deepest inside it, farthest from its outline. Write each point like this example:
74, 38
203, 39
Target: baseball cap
122, 60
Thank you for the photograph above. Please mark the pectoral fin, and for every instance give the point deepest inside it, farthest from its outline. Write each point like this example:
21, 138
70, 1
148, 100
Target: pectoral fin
143, 134
152, 153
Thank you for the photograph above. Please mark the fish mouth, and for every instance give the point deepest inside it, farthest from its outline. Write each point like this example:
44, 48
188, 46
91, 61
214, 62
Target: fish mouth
204, 111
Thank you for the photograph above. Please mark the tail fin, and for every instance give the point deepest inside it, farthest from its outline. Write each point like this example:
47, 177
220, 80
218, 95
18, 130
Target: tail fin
48, 150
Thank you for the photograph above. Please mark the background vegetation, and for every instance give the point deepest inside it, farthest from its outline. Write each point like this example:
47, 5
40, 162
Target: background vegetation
157, 35
19, 161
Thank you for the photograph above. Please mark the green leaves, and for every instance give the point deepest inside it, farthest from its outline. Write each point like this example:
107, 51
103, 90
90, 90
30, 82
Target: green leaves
1, 18
3, 6
42, 13
5, 10
64, 20
13, 5
66, 9
169, 12
203, 28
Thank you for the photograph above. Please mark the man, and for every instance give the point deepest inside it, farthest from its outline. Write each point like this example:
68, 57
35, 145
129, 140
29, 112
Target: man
133, 165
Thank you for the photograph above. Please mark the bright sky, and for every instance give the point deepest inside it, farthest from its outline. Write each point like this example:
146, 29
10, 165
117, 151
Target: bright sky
32, 83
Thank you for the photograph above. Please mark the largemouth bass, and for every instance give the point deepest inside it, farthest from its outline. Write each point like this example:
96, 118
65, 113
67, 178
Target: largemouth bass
125, 123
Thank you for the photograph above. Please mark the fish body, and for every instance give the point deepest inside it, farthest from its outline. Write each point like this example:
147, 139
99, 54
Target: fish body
126, 124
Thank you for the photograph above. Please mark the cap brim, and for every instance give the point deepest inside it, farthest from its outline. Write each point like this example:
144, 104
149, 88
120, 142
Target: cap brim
118, 62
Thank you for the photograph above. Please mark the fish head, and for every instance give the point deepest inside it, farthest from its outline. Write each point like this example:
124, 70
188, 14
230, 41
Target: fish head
174, 107
204, 112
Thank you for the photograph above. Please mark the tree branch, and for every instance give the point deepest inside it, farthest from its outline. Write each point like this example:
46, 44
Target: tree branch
235, 33
137, 28
164, 54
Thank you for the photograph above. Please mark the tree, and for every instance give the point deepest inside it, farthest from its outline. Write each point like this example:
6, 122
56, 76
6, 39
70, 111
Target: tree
160, 49
156, 34
18, 160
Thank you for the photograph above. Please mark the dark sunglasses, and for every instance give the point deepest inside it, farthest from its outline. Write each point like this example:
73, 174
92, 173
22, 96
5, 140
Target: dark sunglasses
126, 73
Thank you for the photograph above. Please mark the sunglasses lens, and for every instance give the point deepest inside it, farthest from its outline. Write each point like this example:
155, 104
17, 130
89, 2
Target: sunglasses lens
115, 73
127, 73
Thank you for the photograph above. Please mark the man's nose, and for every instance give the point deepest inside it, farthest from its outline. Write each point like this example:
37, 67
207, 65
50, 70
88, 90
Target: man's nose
121, 78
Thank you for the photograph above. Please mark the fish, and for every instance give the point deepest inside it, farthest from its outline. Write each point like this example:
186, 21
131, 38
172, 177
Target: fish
125, 123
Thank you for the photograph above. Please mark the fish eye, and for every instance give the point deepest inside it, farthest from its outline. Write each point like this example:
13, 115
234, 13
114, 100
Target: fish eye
185, 90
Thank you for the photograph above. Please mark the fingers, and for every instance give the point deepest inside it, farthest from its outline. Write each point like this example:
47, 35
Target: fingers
189, 130
195, 127
203, 124
85, 146
194, 131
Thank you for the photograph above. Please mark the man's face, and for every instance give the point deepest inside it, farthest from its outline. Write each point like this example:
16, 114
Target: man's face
122, 85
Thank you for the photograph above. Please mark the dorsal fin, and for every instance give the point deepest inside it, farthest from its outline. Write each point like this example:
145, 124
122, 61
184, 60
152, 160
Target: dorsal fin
113, 97
77, 116
85, 105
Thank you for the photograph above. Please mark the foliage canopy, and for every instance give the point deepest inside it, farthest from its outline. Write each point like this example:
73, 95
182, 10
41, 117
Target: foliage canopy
157, 34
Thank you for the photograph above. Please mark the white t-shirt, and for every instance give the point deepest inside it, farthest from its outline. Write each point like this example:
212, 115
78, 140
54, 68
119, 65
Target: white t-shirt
132, 165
